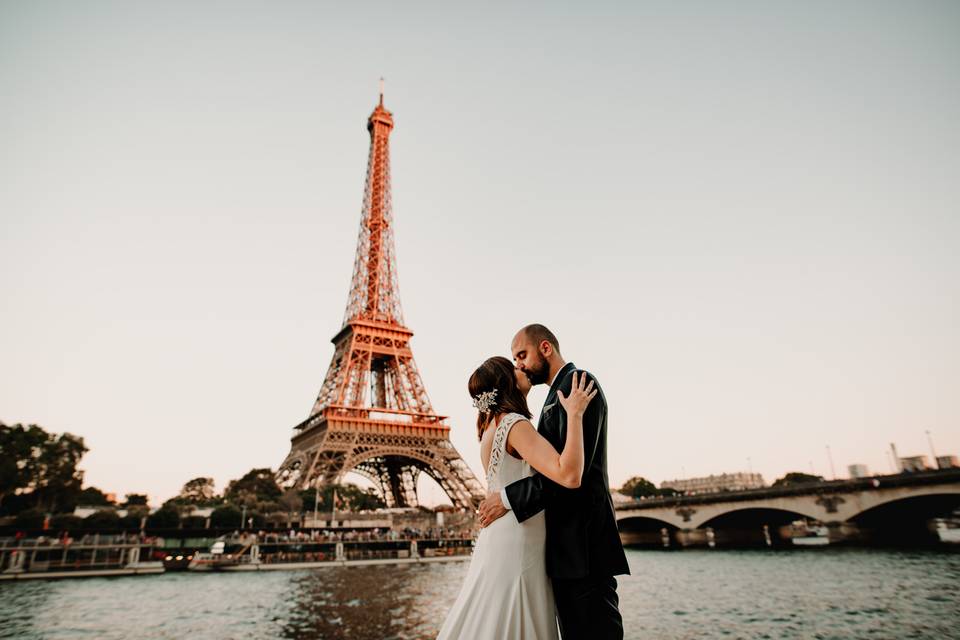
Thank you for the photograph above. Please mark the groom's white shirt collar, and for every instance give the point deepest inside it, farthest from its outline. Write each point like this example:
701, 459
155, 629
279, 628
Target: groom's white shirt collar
503, 492
553, 379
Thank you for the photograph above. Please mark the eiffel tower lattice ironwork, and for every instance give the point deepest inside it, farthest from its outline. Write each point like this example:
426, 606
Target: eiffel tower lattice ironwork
372, 415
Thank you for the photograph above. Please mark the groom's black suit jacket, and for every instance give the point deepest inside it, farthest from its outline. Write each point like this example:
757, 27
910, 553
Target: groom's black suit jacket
582, 536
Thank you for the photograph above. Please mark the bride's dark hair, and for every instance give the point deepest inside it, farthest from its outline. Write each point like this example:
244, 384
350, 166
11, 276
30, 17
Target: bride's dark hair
497, 373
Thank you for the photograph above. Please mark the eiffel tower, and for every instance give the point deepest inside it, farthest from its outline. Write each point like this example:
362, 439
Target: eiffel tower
372, 415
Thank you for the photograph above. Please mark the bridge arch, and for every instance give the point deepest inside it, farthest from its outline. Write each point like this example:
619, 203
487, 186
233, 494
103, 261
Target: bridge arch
747, 517
734, 514
923, 505
646, 531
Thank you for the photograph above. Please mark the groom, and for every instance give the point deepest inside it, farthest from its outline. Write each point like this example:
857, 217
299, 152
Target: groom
583, 546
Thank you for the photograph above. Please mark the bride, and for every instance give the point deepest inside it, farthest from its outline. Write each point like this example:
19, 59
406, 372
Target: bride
507, 594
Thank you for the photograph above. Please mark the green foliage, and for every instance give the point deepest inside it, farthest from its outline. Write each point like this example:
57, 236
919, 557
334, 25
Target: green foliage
290, 501
65, 522
92, 497
164, 518
198, 492
639, 487
796, 477
258, 485
131, 521
104, 520
350, 497
225, 516
41, 464
135, 500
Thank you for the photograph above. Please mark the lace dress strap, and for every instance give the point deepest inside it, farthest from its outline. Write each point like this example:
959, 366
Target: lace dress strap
498, 448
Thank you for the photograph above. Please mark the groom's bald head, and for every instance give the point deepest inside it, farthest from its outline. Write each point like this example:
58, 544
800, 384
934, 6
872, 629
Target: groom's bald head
537, 333
536, 352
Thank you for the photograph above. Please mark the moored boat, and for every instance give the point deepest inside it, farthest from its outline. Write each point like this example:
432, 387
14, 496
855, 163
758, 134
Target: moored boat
96, 555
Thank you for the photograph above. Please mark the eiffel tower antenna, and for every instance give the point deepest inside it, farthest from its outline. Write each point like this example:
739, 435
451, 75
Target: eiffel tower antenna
373, 416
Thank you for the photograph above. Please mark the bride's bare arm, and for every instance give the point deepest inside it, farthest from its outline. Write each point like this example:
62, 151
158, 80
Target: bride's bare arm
566, 469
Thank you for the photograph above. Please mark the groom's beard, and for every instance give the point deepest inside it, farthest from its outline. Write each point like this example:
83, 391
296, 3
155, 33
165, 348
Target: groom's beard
538, 373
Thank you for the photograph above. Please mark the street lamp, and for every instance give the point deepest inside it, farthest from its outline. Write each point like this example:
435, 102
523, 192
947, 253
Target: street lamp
932, 452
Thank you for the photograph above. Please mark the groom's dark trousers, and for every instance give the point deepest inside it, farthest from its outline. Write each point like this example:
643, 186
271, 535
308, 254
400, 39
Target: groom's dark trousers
583, 549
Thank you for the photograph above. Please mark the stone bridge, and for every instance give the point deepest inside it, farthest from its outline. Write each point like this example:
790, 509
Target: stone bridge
894, 509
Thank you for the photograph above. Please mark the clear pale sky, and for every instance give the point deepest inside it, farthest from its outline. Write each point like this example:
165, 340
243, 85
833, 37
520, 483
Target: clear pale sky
742, 217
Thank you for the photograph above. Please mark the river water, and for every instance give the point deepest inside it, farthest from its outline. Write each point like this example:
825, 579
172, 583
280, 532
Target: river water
809, 593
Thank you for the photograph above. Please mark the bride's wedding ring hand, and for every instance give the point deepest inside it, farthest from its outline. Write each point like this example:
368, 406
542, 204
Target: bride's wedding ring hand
580, 395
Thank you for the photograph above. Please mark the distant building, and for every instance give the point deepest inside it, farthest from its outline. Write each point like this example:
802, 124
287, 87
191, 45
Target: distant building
947, 462
714, 483
858, 471
914, 463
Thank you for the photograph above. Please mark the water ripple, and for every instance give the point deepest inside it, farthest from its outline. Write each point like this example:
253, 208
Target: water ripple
804, 594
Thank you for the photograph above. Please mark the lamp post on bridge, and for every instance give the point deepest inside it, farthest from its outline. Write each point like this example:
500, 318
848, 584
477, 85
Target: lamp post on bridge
932, 451
833, 472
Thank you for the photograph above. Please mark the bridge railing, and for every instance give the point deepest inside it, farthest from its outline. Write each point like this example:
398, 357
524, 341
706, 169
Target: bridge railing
827, 487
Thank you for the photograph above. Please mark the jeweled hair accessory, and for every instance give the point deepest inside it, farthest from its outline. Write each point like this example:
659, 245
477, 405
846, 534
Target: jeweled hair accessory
485, 400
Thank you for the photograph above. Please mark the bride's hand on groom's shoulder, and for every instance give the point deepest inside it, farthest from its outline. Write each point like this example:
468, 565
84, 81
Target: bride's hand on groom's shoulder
580, 396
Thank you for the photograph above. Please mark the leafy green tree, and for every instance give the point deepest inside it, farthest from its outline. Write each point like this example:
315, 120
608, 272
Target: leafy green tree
796, 477
19, 453
164, 518
199, 492
92, 497
225, 516
350, 497
258, 485
60, 480
131, 521
65, 522
41, 464
135, 500
639, 487
290, 501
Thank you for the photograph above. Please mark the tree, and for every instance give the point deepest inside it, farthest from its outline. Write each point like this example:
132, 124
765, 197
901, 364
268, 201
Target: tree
163, 518
92, 497
290, 501
350, 497
131, 521
41, 464
61, 480
19, 449
199, 492
65, 522
258, 485
104, 521
796, 477
639, 487
135, 500
225, 516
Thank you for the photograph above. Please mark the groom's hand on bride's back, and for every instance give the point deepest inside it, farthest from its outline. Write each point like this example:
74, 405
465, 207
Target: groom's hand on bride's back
490, 509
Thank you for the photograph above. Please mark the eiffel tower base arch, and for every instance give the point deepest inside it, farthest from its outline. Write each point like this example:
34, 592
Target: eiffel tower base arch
392, 462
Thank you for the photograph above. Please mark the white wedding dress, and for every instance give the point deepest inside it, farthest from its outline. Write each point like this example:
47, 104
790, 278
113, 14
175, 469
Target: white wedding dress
506, 594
